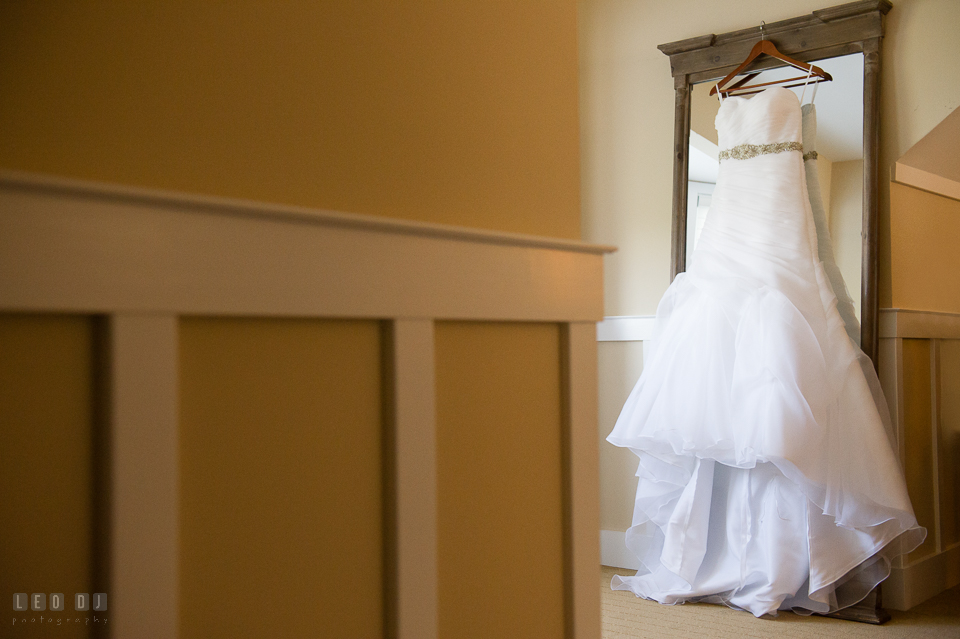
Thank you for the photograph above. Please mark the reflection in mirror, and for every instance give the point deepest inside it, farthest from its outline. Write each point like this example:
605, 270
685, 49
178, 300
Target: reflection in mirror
839, 146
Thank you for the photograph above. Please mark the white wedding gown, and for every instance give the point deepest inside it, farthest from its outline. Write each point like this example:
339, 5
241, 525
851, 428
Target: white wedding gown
767, 473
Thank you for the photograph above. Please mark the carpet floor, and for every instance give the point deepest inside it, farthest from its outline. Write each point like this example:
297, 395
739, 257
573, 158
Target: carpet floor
625, 615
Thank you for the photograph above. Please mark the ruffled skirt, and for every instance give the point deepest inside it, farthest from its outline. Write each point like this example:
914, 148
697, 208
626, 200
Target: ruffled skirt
768, 478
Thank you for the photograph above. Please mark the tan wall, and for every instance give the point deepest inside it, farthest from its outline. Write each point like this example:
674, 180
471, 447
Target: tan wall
499, 483
846, 222
280, 478
461, 113
924, 228
46, 472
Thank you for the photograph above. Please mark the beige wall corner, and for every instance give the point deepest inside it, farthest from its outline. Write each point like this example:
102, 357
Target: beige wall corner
933, 164
924, 228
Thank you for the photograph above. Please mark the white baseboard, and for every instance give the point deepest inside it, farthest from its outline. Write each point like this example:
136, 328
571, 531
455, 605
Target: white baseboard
625, 328
614, 552
910, 586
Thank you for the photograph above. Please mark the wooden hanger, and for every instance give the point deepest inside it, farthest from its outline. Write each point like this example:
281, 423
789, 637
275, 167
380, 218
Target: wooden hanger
815, 73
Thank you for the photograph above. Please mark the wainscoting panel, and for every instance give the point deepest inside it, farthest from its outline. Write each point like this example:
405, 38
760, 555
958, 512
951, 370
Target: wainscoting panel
948, 441
287, 448
918, 463
920, 375
48, 486
280, 478
500, 511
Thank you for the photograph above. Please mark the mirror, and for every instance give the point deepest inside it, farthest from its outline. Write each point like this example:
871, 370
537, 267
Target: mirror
827, 35
839, 162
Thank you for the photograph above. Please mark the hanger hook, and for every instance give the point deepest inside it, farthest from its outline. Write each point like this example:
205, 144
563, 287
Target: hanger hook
762, 25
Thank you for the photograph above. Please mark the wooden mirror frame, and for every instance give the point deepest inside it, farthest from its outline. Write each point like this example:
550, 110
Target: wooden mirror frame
856, 27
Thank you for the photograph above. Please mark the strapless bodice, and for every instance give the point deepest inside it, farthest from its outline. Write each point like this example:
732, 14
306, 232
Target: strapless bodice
769, 117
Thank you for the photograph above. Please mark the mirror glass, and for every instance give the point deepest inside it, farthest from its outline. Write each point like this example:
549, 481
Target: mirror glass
839, 146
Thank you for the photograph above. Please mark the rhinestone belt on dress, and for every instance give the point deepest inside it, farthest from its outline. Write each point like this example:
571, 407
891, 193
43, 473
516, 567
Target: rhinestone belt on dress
747, 151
